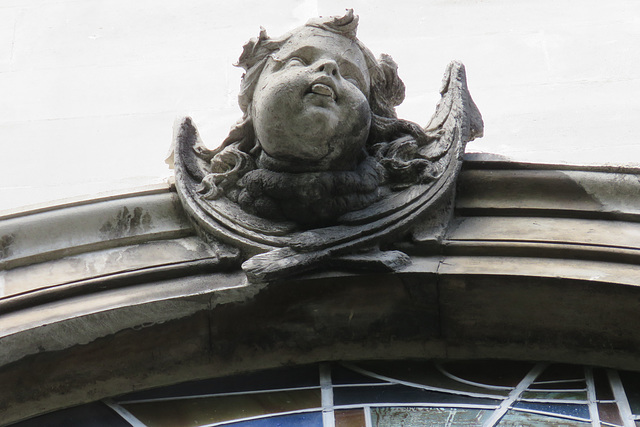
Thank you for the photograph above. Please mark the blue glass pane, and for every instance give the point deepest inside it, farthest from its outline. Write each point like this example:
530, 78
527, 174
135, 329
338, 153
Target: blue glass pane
580, 411
94, 414
289, 377
310, 419
400, 394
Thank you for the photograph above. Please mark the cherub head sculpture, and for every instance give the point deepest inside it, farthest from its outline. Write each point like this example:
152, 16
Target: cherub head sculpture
319, 136
320, 168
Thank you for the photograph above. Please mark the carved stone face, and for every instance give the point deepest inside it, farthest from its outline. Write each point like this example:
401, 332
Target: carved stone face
310, 109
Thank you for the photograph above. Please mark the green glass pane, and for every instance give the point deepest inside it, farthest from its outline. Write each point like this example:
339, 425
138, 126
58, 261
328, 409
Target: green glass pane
426, 373
196, 412
581, 395
408, 417
520, 419
350, 418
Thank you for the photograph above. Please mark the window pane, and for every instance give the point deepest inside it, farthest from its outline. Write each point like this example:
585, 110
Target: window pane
519, 419
290, 377
561, 371
344, 375
574, 384
94, 414
199, 411
401, 394
603, 388
393, 417
554, 396
631, 382
426, 373
350, 418
491, 372
580, 411
609, 413
308, 419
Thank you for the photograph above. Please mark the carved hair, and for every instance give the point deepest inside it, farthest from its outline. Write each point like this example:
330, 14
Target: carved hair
393, 142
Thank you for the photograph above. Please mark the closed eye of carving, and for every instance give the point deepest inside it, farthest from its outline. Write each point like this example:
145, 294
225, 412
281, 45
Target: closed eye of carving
294, 60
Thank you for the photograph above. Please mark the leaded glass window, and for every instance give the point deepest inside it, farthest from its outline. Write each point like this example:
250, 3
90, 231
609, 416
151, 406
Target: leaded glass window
376, 394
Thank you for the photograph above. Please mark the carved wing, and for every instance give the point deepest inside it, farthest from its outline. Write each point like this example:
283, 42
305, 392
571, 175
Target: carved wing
191, 157
457, 119
191, 160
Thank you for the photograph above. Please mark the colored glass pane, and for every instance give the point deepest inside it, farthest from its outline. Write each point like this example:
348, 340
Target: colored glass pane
199, 411
631, 383
307, 419
401, 394
426, 373
94, 414
565, 385
402, 416
581, 395
343, 375
350, 418
561, 371
520, 419
603, 388
290, 377
490, 372
579, 411
609, 413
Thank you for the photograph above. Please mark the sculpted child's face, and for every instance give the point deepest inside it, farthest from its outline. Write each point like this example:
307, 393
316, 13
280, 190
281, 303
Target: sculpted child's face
310, 109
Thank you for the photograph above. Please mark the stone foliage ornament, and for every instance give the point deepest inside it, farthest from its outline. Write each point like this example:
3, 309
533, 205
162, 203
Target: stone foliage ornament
320, 171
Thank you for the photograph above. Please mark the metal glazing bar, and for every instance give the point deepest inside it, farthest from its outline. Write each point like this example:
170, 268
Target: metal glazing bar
124, 413
591, 397
621, 398
515, 394
326, 389
368, 421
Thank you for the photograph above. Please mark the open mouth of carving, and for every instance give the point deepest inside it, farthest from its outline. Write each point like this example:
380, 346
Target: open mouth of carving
323, 89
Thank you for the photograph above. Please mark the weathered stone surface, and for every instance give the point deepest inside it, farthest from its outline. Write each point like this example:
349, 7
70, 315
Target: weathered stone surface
541, 282
320, 166
435, 310
48, 234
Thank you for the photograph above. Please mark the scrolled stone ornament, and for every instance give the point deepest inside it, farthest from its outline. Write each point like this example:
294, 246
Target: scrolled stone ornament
320, 171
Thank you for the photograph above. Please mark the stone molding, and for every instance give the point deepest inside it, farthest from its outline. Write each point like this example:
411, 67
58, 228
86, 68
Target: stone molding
540, 263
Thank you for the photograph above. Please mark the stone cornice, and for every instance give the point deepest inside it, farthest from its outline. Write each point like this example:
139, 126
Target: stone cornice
540, 262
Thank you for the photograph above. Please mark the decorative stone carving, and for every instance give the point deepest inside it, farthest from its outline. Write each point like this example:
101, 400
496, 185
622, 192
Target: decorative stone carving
319, 170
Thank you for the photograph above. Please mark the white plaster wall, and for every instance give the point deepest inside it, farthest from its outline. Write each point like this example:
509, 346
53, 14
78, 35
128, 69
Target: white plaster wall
90, 88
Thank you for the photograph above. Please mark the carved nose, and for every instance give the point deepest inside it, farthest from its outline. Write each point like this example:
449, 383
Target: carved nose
328, 66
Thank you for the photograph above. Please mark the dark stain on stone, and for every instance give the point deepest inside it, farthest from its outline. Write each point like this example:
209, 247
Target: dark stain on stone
127, 223
5, 245
302, 317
